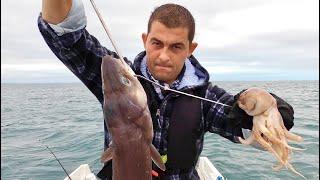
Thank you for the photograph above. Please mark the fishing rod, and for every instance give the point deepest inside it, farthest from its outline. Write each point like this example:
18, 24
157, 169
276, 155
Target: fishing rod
122, 60
56, 159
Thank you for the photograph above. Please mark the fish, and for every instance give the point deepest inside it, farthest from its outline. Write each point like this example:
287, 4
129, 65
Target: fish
129, 123
268, 127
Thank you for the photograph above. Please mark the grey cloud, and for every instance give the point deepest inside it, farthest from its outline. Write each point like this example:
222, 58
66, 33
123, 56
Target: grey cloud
26, 49
286, 50
21, 41
291, 39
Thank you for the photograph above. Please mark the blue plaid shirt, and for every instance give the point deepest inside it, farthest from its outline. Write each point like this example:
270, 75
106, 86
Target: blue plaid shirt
82, 54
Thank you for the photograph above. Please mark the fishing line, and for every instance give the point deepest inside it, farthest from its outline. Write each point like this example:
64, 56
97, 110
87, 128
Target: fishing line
108, 32
180, 92
56, 159
122, 60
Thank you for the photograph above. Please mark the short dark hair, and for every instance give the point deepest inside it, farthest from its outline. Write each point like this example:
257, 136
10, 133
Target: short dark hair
173, 16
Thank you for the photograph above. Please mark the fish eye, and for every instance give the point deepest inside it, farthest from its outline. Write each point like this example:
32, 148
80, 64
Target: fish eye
125, 81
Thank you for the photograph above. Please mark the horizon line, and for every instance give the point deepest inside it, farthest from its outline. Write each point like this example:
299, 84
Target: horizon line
75, 82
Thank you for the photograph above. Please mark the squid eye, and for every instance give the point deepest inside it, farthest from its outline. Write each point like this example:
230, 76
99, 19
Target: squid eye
125, 81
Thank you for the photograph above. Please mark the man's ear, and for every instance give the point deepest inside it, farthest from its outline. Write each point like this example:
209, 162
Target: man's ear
192, 47
144, 39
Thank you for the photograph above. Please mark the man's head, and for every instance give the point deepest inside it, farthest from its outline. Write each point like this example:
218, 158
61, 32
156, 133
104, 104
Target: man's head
168, 42
173, 16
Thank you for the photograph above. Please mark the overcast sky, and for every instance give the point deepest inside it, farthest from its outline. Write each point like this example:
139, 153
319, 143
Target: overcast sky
238, 39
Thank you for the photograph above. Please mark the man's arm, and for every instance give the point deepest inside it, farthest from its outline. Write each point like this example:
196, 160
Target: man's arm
55, 11
231, 122
215, 114
73, 45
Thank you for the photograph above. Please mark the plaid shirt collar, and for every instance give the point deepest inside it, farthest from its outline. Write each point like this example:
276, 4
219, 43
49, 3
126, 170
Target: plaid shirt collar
161, 93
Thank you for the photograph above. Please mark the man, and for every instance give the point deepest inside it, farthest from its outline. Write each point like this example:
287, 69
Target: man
179, 122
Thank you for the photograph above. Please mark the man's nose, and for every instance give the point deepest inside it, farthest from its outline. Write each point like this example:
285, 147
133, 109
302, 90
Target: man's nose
164, 55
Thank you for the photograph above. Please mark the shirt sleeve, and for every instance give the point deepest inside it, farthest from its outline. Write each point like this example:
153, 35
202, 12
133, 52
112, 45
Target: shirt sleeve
75, 20
80, 52
215, 115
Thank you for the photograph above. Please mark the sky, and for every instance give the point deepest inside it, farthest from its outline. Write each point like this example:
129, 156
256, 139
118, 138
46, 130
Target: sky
247, 40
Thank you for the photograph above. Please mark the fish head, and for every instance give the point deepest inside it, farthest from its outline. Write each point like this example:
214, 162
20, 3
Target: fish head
116, 75
124, 96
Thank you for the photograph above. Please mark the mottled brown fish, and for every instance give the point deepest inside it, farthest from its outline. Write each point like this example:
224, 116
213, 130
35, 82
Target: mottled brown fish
129, 122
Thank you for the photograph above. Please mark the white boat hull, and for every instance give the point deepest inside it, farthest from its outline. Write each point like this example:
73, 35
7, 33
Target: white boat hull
205, 169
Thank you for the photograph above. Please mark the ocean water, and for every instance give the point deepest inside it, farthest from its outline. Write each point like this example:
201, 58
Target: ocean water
68, 119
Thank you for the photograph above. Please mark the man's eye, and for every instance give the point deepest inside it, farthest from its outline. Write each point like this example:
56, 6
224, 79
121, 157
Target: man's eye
155, 43
177, 47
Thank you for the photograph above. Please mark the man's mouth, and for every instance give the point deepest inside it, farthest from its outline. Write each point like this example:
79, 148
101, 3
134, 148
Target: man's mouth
163, 68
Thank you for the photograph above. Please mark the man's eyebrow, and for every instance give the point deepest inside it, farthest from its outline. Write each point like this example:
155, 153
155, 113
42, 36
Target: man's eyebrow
178, 44
173, 44
155, 39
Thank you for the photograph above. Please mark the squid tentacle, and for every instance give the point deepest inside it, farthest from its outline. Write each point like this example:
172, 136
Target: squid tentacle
267, 146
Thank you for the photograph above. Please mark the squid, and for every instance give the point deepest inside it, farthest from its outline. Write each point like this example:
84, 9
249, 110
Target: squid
268, 127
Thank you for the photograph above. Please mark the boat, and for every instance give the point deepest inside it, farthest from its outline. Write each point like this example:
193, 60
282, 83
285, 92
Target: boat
83, 172
207, 171
204, 167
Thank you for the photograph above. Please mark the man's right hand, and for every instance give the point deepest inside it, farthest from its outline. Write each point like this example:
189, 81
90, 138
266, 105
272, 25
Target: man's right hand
55, 11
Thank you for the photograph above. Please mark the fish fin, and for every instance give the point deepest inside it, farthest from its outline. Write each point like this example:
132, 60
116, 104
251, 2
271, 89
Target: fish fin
107, 155
156, 158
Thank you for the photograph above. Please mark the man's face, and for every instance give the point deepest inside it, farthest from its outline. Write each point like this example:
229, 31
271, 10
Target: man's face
167, 49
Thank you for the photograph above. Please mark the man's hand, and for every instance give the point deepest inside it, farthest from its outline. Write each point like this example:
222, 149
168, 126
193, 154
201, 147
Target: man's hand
55, 11
239, 117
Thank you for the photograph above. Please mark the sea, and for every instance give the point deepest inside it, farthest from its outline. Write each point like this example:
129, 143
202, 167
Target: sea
68, 119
